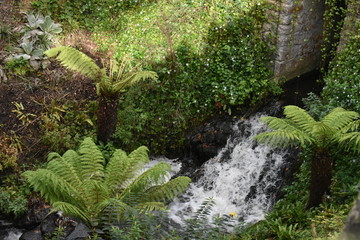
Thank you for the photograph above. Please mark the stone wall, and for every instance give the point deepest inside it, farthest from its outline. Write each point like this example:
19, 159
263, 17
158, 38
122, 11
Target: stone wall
351, 23
296, 30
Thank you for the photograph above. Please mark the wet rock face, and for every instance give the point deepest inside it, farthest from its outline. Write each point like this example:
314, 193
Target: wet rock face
207, 140
39, 224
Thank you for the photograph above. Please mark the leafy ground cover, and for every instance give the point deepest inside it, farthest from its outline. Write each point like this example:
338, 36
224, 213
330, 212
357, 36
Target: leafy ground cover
210, 59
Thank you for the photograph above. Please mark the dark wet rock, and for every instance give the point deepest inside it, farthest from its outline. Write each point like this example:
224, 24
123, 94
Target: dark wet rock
34, 234
35, 215
81, 231
352, 226
206, 141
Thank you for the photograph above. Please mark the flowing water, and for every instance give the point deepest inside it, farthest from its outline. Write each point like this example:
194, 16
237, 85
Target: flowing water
243, 178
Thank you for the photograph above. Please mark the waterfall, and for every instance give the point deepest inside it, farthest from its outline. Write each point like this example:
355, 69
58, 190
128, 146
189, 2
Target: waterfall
243, 178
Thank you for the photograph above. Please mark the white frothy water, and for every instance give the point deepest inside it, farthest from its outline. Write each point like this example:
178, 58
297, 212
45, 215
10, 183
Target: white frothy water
241, 183
14, 234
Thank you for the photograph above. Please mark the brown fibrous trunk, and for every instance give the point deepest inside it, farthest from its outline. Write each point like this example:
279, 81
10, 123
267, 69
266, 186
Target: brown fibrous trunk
107, 117
321, 174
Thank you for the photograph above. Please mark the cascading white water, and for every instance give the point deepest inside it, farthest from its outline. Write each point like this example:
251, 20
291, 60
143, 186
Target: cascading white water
240, 179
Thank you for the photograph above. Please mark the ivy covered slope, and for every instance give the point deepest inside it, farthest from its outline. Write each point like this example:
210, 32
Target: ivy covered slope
209, 56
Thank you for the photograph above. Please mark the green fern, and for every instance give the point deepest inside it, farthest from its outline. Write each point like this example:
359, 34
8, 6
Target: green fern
109, 82
81, 184
336, 129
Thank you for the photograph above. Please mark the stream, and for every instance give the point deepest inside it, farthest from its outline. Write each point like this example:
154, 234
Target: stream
243, 178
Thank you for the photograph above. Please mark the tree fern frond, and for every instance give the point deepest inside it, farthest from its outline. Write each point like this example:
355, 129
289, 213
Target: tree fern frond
117, 169
284, 138
150, 206
323, 134
137, 159
53, 155
153, 176
353, 126
71, 157
96, 191
339, 118
351, 141
71, 210
275, 123
131, 78
75, 60
167, 191
91, 161
300, 117
113, 210
65, 170
52, 187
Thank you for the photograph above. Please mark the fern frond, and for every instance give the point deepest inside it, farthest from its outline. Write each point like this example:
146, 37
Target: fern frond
150, 206
284, 138
52, 187
339, 118
130, 78
71, 157
91, 161
116, 169
113, 210
71, 210
75, 60
153, 176
275, 123
65, 170
137, 159
167, 191
96, 191
204, 210
323, 134
351, 141
300, 117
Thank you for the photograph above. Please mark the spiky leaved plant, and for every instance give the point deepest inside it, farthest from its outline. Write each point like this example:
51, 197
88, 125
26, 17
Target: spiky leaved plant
336, 129
110, 81
80, 183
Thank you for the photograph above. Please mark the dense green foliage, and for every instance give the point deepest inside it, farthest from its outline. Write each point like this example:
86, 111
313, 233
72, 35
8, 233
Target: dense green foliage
342, 82
210, 57
81, 183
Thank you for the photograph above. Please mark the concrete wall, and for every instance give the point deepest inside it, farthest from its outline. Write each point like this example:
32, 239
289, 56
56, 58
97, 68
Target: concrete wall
296, 30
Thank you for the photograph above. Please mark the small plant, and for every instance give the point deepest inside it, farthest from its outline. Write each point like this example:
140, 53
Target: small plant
201, 226
25, 118
37, 38
12, 202
10, 148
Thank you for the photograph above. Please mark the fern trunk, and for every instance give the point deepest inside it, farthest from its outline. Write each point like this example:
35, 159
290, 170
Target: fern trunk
107, 116
321, 174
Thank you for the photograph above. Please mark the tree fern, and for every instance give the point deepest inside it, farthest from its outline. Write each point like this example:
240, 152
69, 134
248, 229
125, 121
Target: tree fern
80, 183
299, 128
109, 83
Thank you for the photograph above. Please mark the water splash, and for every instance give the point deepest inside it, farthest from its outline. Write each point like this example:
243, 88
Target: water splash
242, 178
13, 234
